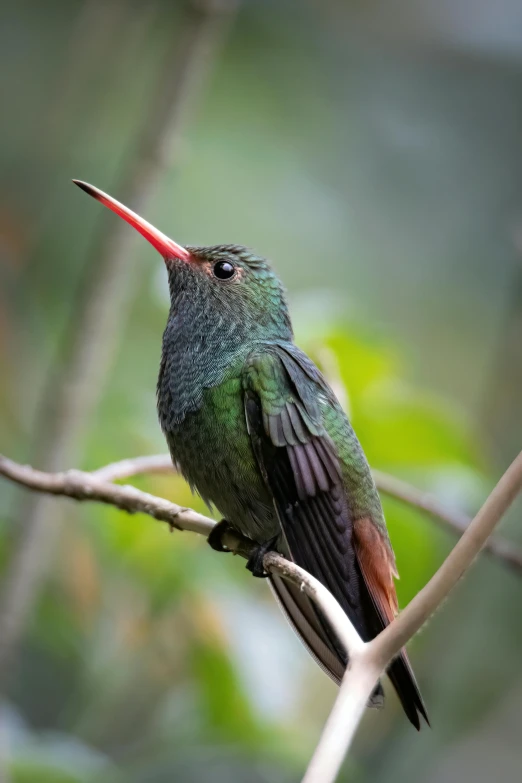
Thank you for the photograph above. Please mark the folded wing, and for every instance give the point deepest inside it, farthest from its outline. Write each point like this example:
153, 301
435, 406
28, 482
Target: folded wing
302, 469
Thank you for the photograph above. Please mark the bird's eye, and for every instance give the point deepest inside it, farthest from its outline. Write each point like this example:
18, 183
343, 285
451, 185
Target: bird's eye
224, 270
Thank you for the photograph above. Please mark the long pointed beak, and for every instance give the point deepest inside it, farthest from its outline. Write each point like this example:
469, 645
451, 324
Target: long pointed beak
166, 246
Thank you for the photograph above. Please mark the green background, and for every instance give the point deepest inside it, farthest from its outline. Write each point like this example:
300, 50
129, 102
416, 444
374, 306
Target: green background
373, 151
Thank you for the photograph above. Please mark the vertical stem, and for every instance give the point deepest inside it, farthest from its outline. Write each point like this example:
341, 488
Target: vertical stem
99, 317
356, 688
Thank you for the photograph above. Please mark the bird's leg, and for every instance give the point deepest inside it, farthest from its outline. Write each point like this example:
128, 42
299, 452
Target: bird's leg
255, 561
215, 537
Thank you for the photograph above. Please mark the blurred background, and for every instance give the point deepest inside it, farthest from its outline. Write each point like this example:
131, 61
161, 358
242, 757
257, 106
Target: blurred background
373, 150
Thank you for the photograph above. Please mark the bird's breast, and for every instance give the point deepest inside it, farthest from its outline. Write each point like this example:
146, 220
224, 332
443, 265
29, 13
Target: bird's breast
212, 448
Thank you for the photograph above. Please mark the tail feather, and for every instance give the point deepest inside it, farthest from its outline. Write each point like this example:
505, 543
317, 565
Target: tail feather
317, 638
304, 619
403, 680
301, 615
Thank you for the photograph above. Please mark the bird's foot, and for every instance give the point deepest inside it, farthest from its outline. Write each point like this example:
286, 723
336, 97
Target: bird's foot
255, 561
215, 537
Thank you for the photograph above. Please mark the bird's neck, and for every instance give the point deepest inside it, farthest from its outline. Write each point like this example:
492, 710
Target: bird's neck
197, 355
205, 343
192, 359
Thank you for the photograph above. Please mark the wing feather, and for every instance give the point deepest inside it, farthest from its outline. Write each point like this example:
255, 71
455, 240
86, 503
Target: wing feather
302, 470
378, 568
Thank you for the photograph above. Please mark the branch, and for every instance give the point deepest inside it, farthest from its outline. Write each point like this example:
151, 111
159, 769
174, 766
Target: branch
453, 520
367, 660
80, 486
365, 669
135, 466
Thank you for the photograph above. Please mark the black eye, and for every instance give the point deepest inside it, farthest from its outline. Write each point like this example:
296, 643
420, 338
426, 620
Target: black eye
223, 270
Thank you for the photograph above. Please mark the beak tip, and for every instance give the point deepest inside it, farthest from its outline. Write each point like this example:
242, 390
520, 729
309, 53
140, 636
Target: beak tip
164, 245
84, 186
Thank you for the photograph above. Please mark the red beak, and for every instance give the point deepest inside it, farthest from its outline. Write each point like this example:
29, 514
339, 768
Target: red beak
167, 247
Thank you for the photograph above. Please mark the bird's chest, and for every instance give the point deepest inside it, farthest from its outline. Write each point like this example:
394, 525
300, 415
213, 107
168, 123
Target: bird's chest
212, 448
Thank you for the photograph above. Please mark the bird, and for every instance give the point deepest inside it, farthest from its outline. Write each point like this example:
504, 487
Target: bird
257, 432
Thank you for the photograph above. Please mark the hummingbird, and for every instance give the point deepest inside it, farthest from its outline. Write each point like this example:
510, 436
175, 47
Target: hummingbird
258, 433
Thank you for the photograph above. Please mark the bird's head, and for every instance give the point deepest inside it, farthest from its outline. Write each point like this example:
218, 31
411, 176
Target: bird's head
225, 284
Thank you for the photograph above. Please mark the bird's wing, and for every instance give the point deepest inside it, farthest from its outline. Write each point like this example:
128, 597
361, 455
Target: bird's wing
302, 470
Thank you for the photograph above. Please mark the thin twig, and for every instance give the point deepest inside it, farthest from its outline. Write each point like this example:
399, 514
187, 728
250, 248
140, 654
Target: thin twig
99, 317
135, 466
81, 486
454, 520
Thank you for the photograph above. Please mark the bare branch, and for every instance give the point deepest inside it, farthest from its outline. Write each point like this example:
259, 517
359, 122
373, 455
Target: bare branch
80, 486
454, 520
367, 660
357, 686
365, 669
135, 466
85, 486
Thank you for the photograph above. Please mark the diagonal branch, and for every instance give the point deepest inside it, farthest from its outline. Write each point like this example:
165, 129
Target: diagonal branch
453, 568
454, 520
365, 669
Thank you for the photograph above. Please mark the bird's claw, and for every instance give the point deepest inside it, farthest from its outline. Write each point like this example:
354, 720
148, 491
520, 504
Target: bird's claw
215, 537
255, 561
